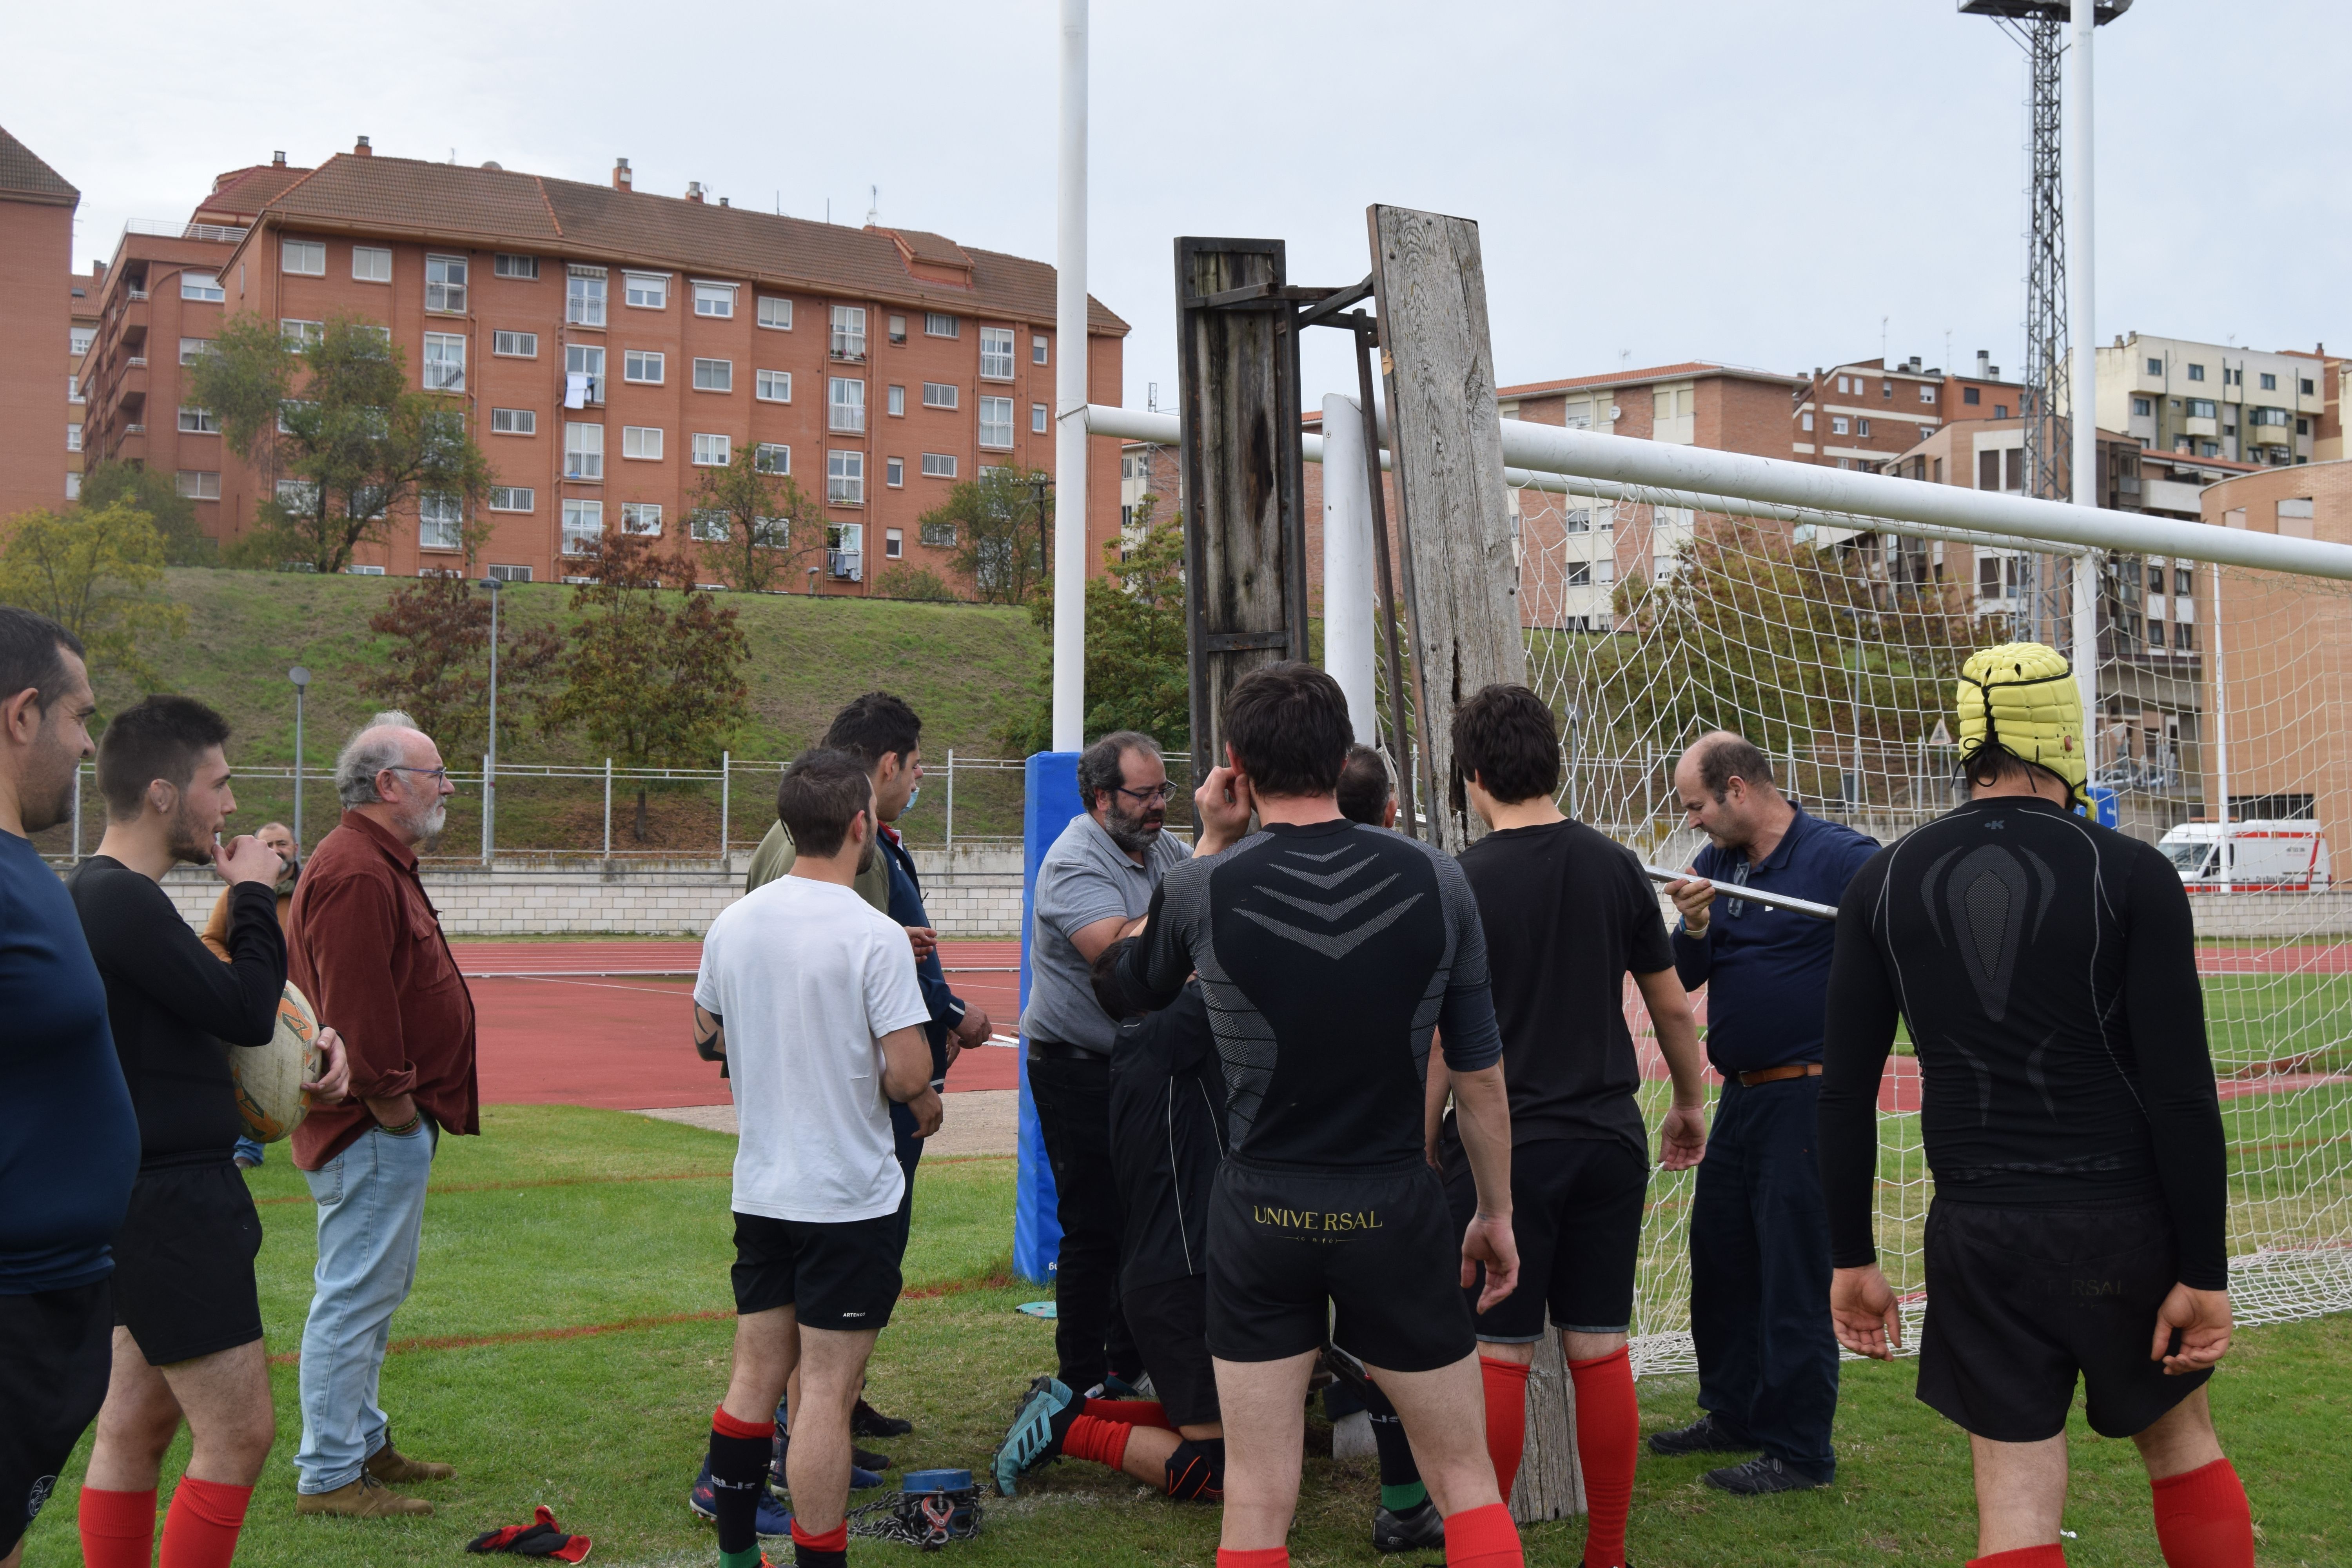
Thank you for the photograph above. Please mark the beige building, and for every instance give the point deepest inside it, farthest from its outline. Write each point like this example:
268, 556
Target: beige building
2209, 400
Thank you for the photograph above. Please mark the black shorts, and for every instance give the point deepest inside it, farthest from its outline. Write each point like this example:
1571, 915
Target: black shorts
841, 1275
1576, 1213
1376, 1243
1170, 1320
183, 1262
2020, 1300
56, 1351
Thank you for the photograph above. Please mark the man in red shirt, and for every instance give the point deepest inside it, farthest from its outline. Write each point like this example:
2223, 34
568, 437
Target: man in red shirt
367, 949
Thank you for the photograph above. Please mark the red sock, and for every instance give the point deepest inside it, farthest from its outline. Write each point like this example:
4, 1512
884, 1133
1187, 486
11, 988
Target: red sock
1506, 1417
726, 1425
1256, 1557
1104, 1442
1485, 1537
1134, 1411
1608, 1436
200, 1531
118, 1529
834, 1540
2050, 1557
2203, 1519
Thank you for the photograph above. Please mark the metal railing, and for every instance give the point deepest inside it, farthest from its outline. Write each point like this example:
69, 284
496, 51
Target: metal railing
169, 228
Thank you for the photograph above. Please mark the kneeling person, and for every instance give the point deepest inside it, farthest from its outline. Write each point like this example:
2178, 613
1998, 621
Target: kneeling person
807, 989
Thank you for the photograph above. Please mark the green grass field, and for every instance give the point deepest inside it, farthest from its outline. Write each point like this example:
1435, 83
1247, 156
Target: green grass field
569, 1334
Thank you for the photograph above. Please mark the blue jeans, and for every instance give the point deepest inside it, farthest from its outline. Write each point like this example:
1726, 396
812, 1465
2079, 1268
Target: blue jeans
1760, 1245
371, 1202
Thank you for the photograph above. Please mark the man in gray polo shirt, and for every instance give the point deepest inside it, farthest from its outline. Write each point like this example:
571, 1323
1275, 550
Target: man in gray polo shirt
1093, 885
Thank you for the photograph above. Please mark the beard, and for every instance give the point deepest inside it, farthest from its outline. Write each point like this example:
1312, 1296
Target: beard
425, 825
190, 844
1133, 833
866, 856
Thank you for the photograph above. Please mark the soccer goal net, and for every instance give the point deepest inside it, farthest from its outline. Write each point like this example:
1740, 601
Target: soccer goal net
1831, 640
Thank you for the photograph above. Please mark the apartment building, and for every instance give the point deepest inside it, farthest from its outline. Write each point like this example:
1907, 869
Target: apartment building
81, 329
608, 345
1863, 414
2211, 400
37, 212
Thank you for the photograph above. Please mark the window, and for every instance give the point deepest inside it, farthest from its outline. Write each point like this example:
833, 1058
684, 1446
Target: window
297, 496
509, 497
2154, 366
1971, 396
73, 438
894, 472
2302, 426
80, 338
2196, 373
939, 536
505, 265
2211, 449
198, 421
709, 524
897, 398
773, 386
1886, 390
1805, 421
772, 457
444, 283
894, 545
846, 404
849, 331
440, 521
1839, 424
938, 324
775, 314
714, 375
844, 549
511, 573
844, 478
370, 264
584, 453
1579, 574
642, 442
996, 353
445, 362
1927, 394
586, 361
583, 524
898, 328
204, 286
1926, 431
2303, 385
514, 345
73, 487
514, 421
190, 349
583, 299
2000, 410
641, 517
305, 257
1037, 419
1861, 426
2200, 409
1841, 386
2270, 382
712, 451
2143, 407
1037, 349
644, 291
198, 485
642, 365
2184, 580
939, 394
939, 466
715, 300
300, 335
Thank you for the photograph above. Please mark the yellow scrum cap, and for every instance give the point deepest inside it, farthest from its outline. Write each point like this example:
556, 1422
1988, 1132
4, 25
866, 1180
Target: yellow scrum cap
2021, 696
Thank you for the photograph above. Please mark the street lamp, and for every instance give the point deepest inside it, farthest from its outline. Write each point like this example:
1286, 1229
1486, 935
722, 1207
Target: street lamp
301, 679
1038, 487
491, 758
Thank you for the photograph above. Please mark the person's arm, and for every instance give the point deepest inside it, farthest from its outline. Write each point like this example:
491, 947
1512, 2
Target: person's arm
350, 927
141, 938
907, 1076
1158, 962
1859, 1031
1222, 808
1693, 950
1482, 1113
1435, 1091
897, 1021
1681, 1136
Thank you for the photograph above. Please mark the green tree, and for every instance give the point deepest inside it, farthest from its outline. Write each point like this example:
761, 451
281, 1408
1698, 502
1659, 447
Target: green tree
185, 543
333, 420
751, 526
653, 678
1138, 675
1003, 532
438, 667
97, 573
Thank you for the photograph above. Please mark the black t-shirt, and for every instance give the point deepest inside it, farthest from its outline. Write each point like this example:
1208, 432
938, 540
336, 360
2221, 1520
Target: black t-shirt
1568, 914
173, 1004
1166, 1135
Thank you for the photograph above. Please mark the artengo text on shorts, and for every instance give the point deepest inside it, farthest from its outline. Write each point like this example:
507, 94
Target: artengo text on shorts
1315, 1219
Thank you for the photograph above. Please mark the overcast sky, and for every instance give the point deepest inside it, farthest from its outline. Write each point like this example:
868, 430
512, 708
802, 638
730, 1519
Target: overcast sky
1706, 179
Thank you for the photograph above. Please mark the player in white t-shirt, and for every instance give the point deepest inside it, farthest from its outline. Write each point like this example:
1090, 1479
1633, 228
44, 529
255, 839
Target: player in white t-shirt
806, 988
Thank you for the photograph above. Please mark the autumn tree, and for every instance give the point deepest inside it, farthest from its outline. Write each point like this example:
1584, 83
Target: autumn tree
331, 418
185, 543
751, 523
1138, 672
653, 678
99, 573
438, 666
1003, 532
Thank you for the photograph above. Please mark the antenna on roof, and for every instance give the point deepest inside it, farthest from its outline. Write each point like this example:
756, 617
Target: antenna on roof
874, 211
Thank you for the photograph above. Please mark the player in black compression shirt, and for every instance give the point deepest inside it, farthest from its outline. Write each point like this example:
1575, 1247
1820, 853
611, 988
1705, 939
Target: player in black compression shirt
2046, 967
1328, 951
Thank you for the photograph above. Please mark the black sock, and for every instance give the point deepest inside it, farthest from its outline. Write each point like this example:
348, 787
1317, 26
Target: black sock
738, 1471
1062, 1422
1400, 1487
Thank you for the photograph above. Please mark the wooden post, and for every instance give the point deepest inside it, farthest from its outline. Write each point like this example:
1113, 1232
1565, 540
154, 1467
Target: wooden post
1245, 522
1551, 1480
1461, 582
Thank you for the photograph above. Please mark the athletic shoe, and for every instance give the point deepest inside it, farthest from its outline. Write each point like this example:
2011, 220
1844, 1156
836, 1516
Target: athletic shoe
867, 1422
773, 1517
860, 1478
867, 1459
1420, 1527
1116, 1387
1708, 1435
1029, 1441
1762, 1476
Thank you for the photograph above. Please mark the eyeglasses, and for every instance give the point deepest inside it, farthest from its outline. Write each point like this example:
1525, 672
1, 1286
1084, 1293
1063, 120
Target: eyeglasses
1156, 796
438, 775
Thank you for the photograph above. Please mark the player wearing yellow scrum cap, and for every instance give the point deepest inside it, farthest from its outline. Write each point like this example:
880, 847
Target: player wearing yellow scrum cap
2021, 698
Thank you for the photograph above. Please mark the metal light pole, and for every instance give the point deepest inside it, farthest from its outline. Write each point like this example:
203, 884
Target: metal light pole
301, 679
1046, 539
490, 755
1069, 560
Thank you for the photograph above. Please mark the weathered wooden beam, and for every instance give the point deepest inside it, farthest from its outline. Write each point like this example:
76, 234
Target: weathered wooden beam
1461, 576
1551, 1480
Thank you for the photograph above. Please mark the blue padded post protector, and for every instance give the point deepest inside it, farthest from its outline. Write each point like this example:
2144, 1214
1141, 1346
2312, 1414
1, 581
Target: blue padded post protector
1048, 803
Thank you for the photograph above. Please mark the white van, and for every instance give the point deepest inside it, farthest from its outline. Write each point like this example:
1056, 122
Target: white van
2263, 857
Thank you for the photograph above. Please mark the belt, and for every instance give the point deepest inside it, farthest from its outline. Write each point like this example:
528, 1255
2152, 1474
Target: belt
1774, 1075
1056, 1051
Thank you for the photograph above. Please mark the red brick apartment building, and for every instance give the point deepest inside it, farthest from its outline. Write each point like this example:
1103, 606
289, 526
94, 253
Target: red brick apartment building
1858, 415
37, 212
608, 345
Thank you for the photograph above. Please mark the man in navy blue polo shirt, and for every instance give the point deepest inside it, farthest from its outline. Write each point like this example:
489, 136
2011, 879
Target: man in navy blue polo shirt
1768, 1366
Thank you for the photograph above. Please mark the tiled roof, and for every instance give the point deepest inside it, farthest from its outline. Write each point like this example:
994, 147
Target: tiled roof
242, 193
25, 178
497, 208
927, 247
1697, 367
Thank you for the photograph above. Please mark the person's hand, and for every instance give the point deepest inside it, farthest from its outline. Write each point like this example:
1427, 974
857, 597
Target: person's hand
976, 1027
2202, 1320
397, 1111
1222, 806
246, 859
1862, 1311
1682, 1138
927, 1111
1489, 1240
334, 1080
1691, 896
925, 941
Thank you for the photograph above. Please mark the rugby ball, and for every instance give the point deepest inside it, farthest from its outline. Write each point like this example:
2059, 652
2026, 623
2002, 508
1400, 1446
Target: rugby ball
270, 1079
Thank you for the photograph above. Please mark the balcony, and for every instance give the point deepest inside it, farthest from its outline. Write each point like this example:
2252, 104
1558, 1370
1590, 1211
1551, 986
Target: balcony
847, 564
168, 229
137, 295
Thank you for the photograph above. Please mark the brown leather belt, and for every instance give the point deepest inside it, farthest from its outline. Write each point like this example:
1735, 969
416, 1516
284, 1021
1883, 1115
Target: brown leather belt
1774, 1075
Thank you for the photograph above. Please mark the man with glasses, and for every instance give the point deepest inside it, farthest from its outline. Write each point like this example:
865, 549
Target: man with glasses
366, 948
1093, 886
